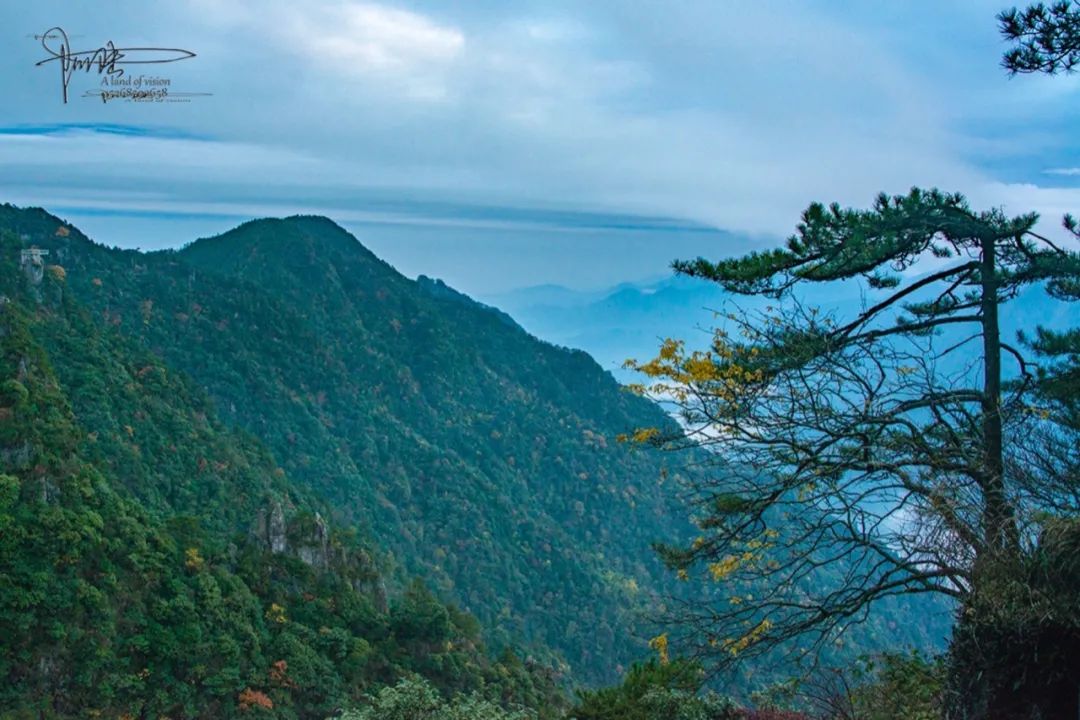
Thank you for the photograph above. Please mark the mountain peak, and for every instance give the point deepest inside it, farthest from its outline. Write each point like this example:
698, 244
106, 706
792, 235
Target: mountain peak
316, 228
289, 244
36, 226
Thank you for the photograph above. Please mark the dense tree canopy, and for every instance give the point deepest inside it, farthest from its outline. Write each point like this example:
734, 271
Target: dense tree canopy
476, 455
135, 580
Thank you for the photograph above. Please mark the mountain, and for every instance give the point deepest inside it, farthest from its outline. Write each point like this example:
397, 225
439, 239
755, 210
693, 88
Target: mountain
155, 562
478, 457
622, 322
630, 320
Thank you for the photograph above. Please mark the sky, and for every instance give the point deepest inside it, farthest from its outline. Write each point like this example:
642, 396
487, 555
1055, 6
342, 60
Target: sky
503, 145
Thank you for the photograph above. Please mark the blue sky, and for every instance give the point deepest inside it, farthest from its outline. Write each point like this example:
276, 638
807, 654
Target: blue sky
500, 145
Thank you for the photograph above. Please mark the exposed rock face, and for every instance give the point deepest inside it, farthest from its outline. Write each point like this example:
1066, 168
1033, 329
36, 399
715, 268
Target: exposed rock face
275, 534
315, 549
16, 457
269, 529
367, 581
308, 538
50, 491
33, 267
376, 589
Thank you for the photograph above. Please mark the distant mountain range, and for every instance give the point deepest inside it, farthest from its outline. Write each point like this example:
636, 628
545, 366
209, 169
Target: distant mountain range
630, 320
626, 321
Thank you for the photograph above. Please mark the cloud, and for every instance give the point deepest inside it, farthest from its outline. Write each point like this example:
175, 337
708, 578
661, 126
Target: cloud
1051, 203
734, 115
378, 44
355, 47
59, 129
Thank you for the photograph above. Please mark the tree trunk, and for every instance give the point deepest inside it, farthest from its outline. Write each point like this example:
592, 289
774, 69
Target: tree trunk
997, 515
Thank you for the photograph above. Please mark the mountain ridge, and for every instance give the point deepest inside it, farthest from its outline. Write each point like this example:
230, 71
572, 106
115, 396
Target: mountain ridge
484, 459
154, 562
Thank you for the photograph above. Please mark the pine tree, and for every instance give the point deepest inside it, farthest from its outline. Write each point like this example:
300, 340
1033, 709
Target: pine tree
861, 457
1046, 37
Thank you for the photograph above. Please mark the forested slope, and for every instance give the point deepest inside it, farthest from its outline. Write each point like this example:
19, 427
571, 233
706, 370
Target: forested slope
479, 457
154, 562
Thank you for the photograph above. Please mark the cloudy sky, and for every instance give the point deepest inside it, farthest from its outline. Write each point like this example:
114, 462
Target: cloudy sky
501, 145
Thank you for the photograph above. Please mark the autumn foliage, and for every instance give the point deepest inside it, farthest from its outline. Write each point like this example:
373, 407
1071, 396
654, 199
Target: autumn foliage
249, 699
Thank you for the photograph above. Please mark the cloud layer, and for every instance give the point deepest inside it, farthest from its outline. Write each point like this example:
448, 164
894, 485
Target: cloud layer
731, 114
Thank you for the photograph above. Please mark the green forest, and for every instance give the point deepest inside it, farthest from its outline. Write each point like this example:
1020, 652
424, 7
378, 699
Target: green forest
267, 475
